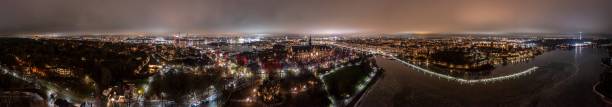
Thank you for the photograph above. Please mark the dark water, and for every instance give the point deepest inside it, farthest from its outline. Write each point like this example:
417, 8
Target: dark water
565, 78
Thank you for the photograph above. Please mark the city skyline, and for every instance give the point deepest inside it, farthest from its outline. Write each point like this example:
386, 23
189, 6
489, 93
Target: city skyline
305, 53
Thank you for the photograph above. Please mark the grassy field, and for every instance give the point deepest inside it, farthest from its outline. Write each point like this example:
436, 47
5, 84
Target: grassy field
343, 83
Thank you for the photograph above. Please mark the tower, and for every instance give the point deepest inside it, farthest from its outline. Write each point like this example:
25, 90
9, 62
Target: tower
310, 40
580, 36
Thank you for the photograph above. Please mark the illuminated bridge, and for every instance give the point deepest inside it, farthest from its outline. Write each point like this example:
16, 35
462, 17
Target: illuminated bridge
471, 81
439, 75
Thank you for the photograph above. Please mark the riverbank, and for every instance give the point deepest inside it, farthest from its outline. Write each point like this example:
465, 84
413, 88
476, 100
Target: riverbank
565, 78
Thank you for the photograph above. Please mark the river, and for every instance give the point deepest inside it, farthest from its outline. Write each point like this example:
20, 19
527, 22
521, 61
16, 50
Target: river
565, 78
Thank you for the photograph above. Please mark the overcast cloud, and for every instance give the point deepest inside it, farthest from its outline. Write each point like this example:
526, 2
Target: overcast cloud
308, 15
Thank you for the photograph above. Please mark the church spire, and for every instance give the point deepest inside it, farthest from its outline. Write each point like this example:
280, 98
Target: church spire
310, 40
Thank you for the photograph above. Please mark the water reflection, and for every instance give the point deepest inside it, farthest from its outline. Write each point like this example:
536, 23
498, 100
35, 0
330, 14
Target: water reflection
558, 82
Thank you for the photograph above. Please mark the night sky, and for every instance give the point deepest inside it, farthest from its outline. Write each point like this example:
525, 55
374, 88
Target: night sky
389, 16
